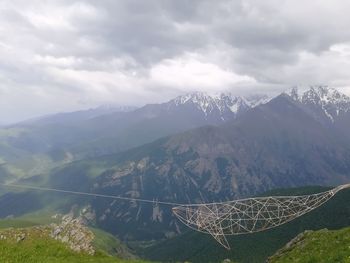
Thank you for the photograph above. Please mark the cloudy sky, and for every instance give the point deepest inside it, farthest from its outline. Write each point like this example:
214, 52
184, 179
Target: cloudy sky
68, 55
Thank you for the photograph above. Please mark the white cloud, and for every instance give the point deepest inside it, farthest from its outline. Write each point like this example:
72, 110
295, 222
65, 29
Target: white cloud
191, 72
330, 67
68, 54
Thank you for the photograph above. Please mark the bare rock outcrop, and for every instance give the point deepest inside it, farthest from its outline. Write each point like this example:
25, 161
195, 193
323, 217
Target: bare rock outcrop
74, 233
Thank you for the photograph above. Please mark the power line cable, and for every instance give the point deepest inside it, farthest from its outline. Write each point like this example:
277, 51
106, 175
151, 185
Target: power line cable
37, 188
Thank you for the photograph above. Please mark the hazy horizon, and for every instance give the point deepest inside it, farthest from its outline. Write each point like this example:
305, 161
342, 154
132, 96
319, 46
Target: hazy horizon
301, 88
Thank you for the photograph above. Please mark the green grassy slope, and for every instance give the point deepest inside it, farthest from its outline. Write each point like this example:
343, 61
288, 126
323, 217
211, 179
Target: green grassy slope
197, 247
109, 244
35, 245
322, 246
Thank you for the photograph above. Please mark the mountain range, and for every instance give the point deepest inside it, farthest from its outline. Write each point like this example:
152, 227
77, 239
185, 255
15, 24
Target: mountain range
36, 146
193, 149
278, 144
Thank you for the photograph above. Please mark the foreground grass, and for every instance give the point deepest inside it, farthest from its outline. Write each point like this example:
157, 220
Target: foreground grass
34, 245
317, 247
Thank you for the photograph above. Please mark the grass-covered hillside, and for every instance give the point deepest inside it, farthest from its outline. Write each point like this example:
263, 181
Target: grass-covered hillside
67, 242
253, 248
323, 246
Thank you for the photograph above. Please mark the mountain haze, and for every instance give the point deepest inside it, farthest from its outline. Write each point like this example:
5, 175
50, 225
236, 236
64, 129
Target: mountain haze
282, 143
35, 146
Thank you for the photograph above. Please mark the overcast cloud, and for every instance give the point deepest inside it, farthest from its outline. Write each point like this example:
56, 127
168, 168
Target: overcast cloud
68, 55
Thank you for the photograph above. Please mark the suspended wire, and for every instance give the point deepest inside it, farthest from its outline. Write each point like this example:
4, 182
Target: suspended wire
228, 218
37, 188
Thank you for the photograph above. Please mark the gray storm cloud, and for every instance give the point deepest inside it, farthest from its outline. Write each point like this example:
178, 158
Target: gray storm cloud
68, 55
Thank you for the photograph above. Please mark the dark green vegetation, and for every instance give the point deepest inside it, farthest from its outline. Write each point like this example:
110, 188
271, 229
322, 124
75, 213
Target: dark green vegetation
322, 246
108, 243
197, 247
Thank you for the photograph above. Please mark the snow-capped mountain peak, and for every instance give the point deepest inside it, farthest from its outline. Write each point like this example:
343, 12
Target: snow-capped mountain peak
256, 100
324, 95
332, 102
201, 100
225, 105
192, 97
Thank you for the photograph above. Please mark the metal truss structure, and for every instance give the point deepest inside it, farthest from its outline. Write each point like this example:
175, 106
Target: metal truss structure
249, 215
236, 217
